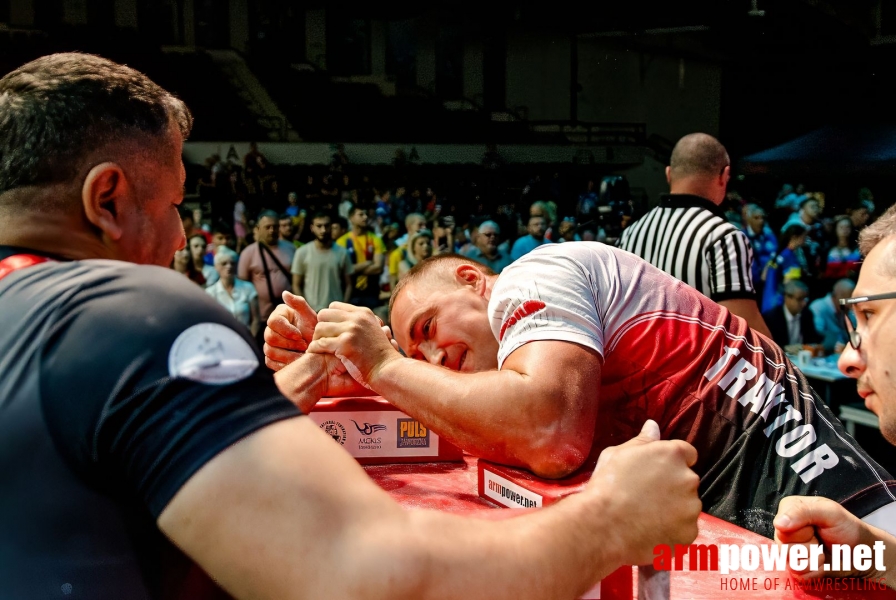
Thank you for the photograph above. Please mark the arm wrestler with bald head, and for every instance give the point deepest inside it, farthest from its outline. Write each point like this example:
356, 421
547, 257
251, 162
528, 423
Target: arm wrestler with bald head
570, 349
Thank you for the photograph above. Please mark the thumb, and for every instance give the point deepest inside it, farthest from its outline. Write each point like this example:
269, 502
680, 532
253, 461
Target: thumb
298, 303
650, 432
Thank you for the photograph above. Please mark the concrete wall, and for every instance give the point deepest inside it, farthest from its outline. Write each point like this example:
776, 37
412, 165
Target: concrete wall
673, 96
74, 12
538, 75
239, 25
126, 13
474, 82
316, 37
426, 53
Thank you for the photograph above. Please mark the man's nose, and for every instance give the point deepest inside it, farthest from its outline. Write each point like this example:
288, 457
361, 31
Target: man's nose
851, 362
434, 355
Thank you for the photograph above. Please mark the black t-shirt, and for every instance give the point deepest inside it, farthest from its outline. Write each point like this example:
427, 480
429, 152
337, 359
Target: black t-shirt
119, 382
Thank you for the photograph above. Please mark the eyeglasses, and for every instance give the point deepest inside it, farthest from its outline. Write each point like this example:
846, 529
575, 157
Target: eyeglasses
847, 309
798, 298
488, 233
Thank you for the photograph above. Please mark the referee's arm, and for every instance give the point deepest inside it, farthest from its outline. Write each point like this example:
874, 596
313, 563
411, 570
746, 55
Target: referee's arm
747, 309
732, 263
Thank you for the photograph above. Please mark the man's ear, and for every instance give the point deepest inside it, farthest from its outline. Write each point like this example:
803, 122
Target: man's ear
726, 176
469, 275
669, 175
103, 195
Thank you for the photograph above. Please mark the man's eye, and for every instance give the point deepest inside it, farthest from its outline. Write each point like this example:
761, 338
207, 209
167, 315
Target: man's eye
426, 327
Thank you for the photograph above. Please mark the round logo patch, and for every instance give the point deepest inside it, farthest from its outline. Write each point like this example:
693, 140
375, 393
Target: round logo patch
211, 353
335, 430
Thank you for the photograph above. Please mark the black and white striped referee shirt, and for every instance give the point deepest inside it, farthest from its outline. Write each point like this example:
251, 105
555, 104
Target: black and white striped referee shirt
688, 237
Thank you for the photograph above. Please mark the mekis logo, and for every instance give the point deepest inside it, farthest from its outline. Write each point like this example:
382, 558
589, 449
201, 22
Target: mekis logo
772, 557
368, 428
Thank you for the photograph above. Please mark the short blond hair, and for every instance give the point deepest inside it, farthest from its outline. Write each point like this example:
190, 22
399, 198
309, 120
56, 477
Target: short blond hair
883, 228
434, 265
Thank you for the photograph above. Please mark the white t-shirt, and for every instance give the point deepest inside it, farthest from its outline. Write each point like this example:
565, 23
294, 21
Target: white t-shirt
672, 355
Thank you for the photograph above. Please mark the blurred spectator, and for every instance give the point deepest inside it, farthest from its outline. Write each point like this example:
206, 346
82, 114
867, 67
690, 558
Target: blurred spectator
843, 256
471, 236
339, 160
809, 215
790, 322
413, 223
222, 235
366, 254
339, 227
287, 231
263, 263
860, 213
762, 239
443, 235
312, 191
734, 208
828, 318
183, 263
567, 230
240, 223
783, 199
486, 250
197, 247
190, 226
419, 248
586, 207
292, 205
548, 210
321, 269
239, 297
534, 239
792, 199
786, 265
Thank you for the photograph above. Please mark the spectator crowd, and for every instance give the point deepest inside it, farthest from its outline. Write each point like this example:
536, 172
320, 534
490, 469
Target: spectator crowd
350, 233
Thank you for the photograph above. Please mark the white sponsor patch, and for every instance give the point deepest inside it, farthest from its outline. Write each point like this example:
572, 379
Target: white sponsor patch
506, 493
211, 353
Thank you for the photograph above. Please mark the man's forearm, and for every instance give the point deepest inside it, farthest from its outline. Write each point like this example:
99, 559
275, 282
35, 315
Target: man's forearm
559, 552
491, 414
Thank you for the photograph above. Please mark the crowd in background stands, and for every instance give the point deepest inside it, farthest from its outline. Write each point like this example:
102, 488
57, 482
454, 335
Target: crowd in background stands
340, 235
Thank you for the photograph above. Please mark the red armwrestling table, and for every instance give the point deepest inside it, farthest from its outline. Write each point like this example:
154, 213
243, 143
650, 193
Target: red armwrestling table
452, 487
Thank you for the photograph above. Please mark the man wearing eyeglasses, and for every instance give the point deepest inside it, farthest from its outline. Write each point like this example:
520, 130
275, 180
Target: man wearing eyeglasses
486, 250
869, 317
571, 347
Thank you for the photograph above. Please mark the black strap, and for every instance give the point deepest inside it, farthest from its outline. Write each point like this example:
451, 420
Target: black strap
267, 273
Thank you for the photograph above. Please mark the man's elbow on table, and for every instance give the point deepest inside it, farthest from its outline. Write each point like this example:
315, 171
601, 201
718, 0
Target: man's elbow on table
558, 455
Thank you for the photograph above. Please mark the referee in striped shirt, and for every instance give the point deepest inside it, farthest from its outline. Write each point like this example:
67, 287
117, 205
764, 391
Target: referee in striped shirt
687, 235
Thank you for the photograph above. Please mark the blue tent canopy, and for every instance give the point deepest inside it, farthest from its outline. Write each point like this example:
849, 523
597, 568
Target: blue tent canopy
835, 149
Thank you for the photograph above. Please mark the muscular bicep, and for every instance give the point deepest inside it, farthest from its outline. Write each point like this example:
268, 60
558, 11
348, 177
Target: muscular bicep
562, 382
289, 508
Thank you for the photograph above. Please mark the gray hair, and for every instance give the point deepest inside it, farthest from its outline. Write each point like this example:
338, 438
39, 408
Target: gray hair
491, 224
224, 252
